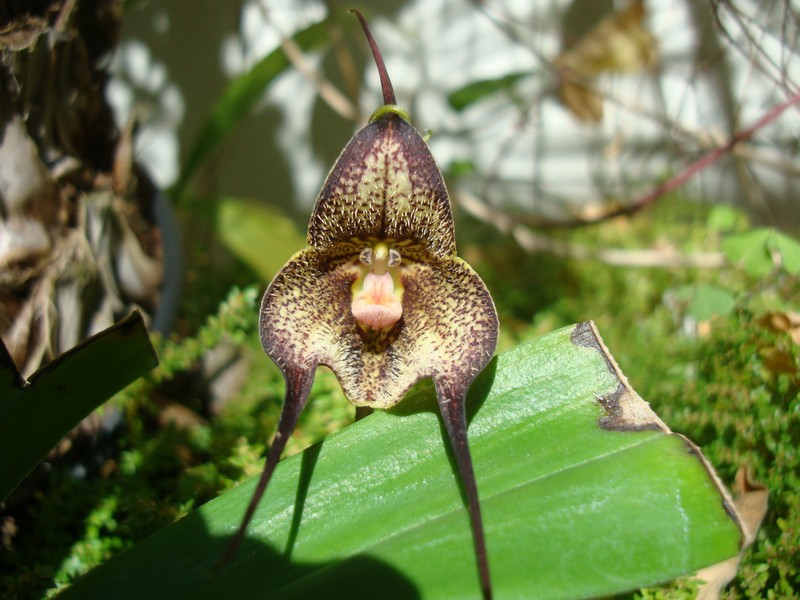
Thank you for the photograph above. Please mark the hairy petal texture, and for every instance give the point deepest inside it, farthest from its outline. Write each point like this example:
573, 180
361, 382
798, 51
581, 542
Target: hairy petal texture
448, 330
385, 186
450, 321
384, 189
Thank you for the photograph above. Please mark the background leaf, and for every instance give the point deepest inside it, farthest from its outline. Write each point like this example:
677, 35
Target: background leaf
259, 234
584, 492
479, 90
754, 249
749, 249
706, 301
789, 249
36, 415
239, 99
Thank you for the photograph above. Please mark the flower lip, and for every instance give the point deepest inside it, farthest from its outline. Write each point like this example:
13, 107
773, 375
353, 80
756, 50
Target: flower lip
378, 304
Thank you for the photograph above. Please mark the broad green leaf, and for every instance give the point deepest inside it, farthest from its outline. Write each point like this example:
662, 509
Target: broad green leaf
753, 249
478, 90
260, 235
35, 415
705, 301
584, 491
240, 97
789, 249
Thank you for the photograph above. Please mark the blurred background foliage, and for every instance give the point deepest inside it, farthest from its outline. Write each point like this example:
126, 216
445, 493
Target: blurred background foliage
552, 121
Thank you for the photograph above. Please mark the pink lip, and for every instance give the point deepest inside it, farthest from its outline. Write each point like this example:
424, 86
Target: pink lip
377, 306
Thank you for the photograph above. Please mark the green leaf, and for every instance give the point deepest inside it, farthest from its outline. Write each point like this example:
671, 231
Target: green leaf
584, 492
754, 250
36, 415
240, 97
260, 235
706, 301
789, 249
750, 250
724, 217
478, 90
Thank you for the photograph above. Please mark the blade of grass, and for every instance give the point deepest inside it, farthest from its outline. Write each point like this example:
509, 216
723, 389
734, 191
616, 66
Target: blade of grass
478, 90
238, 100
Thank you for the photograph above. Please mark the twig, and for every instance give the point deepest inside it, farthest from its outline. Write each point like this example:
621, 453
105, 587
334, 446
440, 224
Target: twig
535, 242
597, 216
705, 161
327, 91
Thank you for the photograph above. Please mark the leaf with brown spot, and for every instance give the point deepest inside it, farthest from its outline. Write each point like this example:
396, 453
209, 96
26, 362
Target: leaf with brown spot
750, 500
574, 508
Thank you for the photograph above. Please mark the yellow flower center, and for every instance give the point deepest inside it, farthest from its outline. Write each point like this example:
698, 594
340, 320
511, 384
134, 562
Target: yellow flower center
378, 303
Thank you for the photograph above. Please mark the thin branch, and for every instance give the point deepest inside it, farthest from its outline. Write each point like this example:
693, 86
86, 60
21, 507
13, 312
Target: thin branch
535, 242
705, 161
597, 216
327, 91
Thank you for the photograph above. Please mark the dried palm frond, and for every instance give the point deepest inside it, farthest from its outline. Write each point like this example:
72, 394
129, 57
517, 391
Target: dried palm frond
80, 246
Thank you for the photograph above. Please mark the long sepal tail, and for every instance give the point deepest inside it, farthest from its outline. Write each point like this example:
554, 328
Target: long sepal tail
454, 416
386, 84
298, 386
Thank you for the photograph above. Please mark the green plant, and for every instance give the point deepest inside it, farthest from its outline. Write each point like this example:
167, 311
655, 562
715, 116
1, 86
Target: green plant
585, 493
709, 348
35, 414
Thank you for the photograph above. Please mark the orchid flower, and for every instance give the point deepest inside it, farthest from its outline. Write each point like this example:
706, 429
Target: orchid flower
379, 295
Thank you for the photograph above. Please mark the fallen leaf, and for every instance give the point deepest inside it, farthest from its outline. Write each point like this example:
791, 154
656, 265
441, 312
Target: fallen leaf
582, 99
750, 500
619, 43
783, 322
778, 361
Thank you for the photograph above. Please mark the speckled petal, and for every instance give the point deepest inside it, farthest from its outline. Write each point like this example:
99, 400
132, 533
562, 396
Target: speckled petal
448, 330
450, 322
380, 296
385, 186
305, 312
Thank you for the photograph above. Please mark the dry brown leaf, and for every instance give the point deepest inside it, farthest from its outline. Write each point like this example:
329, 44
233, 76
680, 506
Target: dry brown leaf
783, 322
778, 361
584, 102
122, 169
618, 43
22, 33
80, 245
750, 500
26, 185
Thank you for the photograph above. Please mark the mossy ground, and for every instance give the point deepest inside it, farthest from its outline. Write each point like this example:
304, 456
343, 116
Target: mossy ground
693, 342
